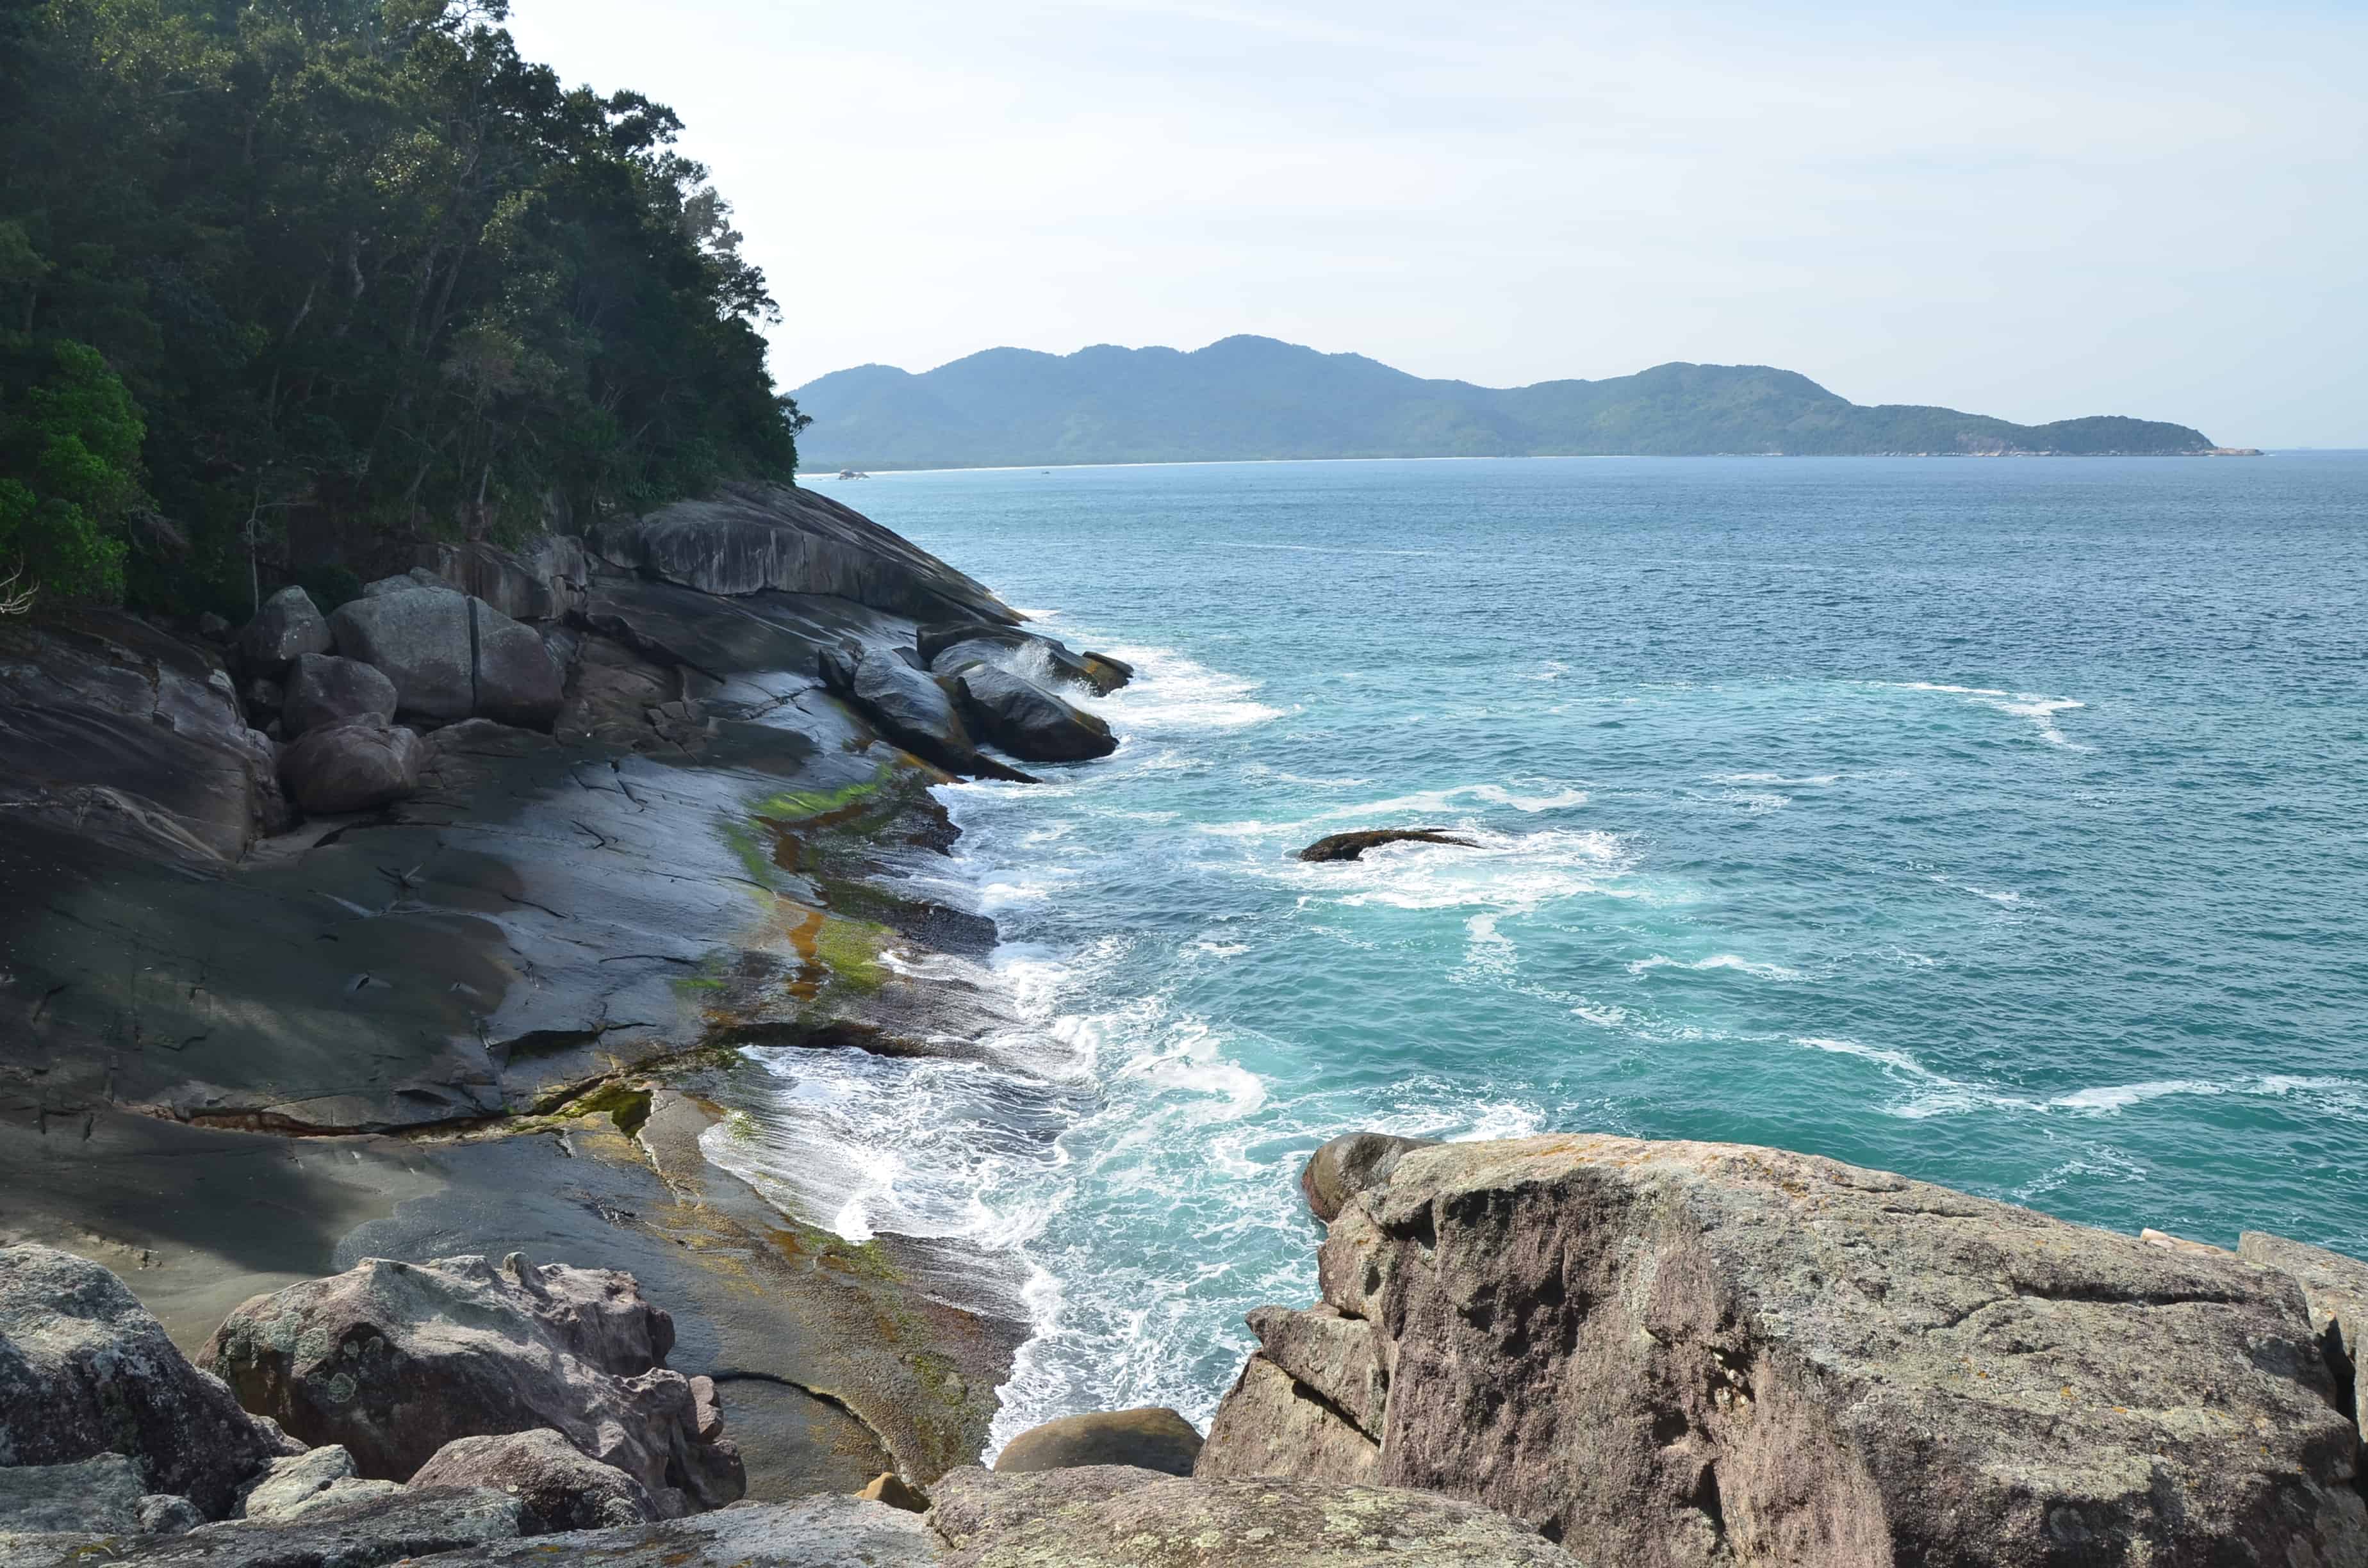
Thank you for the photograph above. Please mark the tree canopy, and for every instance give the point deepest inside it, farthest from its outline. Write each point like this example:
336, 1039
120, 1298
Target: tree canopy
312, 274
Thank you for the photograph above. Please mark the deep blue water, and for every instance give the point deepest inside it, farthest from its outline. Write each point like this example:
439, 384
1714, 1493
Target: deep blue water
2004, 823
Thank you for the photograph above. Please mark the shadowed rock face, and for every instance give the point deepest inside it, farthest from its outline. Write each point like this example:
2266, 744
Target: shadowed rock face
750, 536
85, 1371
1027, 720
1116, 1517
1153, 1437
396, 1360
2335, 1291
287, 627
358, 766
1691, 1354
324, 690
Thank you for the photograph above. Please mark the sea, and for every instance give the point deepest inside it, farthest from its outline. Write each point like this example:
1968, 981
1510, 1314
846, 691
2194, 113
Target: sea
2001, 822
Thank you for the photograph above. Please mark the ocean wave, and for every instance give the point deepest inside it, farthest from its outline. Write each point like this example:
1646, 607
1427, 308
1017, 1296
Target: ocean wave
1510, 873
1757, 971
2037, 707
1171, 693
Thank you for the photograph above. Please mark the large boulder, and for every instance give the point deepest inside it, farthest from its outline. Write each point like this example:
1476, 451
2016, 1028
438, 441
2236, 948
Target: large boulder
748, 537
947, 647
563, 1487
87, 1370
1351, 1163
1695, 1354
1115, 1516
911, 708
543, 579
1025, 720
2335, 1293
394, 1360
419, 639
324, 690
354, 766
287, 627
1153, 1437
516, 682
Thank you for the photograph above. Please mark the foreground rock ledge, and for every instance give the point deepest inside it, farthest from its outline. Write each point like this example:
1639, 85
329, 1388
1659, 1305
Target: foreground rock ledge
1695, 1354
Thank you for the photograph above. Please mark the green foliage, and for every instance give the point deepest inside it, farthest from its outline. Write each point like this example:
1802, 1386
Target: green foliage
369, 274
70, 439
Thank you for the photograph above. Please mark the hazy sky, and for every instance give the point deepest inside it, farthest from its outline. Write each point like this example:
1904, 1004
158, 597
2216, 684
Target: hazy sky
2035, 211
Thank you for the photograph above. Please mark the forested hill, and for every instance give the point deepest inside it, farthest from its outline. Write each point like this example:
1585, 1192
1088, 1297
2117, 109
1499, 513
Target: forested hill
345, 270
1252, 397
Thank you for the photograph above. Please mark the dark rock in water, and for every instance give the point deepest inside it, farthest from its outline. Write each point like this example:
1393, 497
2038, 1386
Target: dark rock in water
2335, 1293
116, 733
817, 1532
354, 766
371, 1531
1153, 1437
299, 1484
419, 639
287, 627
325, 691
1115, 1516
750, 537
1027, 720
85, 1370
947, 647
1351, 1163
1348, 846
394, 1360
911, 708
1678, 1355
515, 681
563, 1488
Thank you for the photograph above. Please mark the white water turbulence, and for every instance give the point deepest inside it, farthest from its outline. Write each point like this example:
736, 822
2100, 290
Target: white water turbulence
1782, 830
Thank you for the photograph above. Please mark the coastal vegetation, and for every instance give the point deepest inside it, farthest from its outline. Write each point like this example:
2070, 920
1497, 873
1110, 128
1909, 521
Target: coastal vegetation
282, 281
1249, 398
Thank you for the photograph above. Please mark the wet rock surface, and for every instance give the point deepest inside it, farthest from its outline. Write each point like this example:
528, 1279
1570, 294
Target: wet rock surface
394, 1360
1350, 846
1693, 1354
1153, 1437
947, 647
87, 1370
1025, 720
1113, 1516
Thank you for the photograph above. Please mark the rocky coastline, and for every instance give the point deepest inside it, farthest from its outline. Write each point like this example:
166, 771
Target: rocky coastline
378, 982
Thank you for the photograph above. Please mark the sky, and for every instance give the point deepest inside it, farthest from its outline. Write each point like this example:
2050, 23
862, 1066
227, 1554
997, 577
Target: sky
2036, 212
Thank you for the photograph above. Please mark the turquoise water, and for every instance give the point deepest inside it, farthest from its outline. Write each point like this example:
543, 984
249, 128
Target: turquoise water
1997, 822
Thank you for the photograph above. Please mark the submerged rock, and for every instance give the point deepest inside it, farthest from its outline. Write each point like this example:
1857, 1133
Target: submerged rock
87, 1370
1693, 1354
563, 1487
394, 1360
1153, 1437
1350, 846
1117, 1517
1351, 1163
1027, 720
358, 766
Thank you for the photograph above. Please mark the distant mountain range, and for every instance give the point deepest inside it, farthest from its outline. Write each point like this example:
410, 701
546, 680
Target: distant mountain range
1252, 397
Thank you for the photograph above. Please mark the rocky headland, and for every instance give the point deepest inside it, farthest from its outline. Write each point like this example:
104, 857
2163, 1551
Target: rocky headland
377, 981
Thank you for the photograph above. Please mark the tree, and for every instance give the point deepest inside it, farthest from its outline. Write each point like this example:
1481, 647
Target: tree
70, 454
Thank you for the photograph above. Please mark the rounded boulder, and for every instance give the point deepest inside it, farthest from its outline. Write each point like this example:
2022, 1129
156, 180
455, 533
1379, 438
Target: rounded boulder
1153, 1437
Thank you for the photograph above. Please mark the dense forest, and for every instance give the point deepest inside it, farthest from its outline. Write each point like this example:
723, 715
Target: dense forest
280, 278
1252, 397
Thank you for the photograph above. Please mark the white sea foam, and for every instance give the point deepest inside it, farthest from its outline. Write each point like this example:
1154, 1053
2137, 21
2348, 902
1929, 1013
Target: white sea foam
1511, 872
1172, 694
1757, 971
1812, 781
2037, 707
